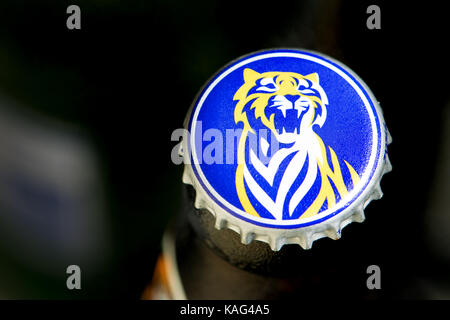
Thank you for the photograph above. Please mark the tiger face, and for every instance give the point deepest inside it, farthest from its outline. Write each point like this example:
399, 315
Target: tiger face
287, 103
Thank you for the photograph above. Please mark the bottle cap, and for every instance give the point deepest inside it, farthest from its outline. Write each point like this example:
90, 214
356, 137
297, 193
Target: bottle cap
285, 146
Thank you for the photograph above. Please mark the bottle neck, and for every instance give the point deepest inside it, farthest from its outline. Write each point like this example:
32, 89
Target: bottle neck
214, 264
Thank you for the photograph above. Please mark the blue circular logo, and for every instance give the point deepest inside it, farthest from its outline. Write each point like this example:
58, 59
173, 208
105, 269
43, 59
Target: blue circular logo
285, 138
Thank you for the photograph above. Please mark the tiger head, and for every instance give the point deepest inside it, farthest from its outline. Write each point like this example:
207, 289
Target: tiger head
287, 103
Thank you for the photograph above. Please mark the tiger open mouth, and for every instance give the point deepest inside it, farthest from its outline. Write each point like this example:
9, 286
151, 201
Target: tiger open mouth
288, 119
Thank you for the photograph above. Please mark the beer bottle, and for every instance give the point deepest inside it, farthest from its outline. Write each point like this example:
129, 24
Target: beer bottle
281, 147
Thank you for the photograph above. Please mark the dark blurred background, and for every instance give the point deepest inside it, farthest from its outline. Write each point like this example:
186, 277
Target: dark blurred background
86, 118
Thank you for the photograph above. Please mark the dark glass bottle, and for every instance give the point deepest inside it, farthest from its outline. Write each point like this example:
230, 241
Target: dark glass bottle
217, 250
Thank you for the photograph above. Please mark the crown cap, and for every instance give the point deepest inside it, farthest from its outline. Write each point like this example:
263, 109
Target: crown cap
285, 146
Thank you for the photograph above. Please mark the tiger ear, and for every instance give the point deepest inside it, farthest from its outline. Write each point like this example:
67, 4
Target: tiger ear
250, 75
314, 77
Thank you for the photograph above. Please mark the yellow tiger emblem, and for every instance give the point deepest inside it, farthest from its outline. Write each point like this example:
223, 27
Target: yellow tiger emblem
288, 104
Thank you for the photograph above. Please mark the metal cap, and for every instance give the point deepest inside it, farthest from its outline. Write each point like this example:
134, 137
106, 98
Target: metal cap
285, 146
